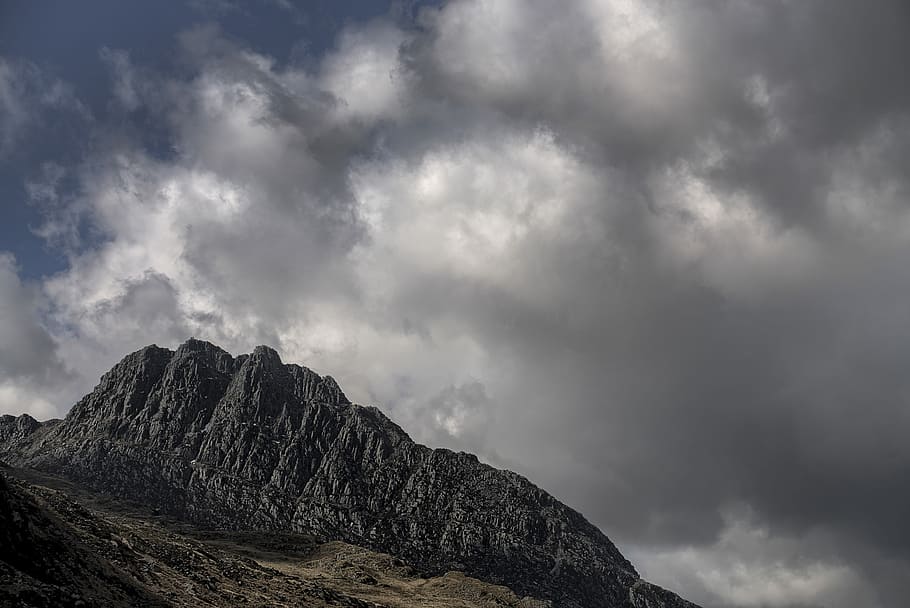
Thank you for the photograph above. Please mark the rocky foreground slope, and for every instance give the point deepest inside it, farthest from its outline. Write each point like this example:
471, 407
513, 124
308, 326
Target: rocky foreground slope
56, 552
253, 443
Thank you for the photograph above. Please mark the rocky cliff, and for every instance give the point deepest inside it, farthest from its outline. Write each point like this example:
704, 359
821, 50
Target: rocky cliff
249, 442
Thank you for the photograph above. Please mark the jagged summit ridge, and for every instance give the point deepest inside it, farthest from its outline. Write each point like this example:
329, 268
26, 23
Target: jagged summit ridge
252, 442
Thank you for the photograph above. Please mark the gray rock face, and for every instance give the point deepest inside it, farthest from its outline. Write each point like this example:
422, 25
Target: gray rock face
250, 442
18, 433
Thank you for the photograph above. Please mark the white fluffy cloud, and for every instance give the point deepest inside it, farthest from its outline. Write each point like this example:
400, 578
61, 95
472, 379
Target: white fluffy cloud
365, 76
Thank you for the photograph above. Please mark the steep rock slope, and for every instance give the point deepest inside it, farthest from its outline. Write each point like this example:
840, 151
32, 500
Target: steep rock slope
45, 563
252, 443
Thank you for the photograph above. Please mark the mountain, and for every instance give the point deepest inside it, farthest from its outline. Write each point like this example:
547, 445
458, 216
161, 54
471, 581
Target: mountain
251, 443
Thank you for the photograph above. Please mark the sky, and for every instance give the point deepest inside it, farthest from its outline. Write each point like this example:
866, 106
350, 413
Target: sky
651, 254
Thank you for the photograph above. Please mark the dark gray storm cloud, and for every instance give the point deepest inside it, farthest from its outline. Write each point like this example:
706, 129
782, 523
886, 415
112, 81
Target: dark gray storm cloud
649, 254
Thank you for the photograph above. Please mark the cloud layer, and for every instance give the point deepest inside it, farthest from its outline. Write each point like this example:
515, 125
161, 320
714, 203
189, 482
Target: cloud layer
650, 254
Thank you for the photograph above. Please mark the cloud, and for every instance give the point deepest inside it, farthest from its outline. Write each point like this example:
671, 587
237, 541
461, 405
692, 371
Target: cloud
748, 566
27, 348
650, 254
364, 74
27, 95
30, 367
124, 80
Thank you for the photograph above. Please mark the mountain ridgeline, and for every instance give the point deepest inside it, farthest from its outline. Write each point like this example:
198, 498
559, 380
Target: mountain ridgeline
249, 442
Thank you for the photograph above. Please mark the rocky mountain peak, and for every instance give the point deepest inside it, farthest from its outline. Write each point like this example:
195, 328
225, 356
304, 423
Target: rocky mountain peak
207, 351
267, 354
16, 429
249, 442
